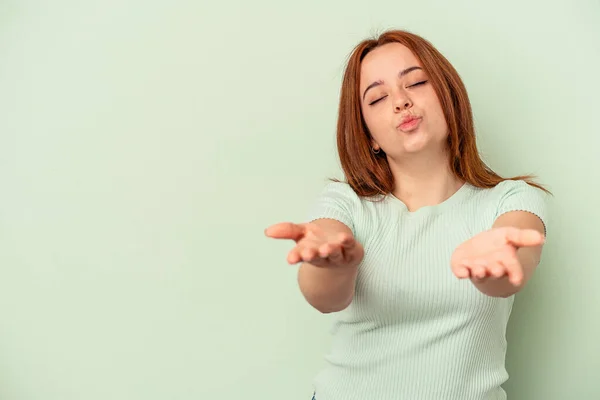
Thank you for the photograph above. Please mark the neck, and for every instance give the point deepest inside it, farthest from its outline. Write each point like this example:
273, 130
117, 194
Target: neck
423, 181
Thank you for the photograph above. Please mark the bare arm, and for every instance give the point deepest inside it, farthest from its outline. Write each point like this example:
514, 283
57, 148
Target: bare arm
327, 290
329, 257
331, 289
527, 257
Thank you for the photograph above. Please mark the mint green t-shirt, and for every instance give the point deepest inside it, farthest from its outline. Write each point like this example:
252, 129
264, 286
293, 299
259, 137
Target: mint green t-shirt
413, 330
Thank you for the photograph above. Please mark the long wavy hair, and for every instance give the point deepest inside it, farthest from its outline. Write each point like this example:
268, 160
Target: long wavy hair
369, 174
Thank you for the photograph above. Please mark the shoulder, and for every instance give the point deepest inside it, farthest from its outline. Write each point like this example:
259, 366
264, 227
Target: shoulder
510, 191
342, 194
336, 200
517, 185
514, 195
518, 193
340, 190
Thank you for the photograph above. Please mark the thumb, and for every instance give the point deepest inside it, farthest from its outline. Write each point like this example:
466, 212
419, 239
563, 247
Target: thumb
524, 237
286, 230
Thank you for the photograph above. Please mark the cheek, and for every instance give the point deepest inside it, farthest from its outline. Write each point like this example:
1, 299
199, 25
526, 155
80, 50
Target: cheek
436, 117
377, 116
373, 122
441, 121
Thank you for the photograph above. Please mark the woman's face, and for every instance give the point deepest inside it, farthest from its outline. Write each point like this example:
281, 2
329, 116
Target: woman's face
399, 104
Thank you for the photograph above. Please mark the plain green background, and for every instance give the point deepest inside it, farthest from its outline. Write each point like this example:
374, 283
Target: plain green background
145, 145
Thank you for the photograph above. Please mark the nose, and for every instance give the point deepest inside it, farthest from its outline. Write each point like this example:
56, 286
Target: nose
402, 102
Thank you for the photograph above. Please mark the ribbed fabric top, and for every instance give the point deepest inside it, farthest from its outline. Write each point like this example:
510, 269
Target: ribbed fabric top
413, 330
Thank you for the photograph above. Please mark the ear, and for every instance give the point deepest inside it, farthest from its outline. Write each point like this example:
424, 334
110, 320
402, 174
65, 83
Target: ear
374, 145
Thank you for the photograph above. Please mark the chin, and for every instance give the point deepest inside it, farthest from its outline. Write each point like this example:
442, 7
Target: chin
419, 142
416, 144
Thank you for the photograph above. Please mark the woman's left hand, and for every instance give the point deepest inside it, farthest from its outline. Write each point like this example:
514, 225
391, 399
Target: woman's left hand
493, 253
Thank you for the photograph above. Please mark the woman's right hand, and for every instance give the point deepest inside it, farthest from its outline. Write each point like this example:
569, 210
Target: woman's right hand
322, 243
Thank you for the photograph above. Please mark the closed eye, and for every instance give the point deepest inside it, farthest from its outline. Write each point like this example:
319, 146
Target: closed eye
413, 85
377, 101
418, 84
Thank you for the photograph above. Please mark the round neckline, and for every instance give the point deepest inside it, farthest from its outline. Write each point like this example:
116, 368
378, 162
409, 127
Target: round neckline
455, 198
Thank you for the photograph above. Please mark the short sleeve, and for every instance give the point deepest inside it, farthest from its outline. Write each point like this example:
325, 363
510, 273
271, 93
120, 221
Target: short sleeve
336, 201
518, 195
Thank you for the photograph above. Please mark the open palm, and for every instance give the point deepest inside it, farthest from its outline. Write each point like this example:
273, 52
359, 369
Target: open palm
493, 253
316, 245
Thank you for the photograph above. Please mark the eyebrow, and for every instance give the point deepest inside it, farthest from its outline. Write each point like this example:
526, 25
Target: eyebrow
400, 75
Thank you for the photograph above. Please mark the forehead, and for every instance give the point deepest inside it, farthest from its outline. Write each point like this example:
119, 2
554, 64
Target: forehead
385, 60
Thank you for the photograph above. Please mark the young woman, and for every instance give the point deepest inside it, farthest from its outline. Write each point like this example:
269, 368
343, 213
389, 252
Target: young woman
420, 251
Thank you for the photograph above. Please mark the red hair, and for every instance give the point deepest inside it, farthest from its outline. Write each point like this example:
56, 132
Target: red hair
369, 174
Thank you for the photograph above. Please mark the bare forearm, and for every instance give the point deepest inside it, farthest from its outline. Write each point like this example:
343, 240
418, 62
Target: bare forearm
327, 289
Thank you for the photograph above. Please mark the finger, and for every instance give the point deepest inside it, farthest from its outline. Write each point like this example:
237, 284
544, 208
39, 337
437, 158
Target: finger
497, 270
461, 272
463, 269
508, 262
514, 270
479, 269
335, 253
329, 250
346, 240
524, 237
294, 256
302, 253
286, 230
325, 250
308, 254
